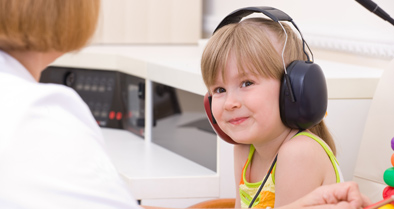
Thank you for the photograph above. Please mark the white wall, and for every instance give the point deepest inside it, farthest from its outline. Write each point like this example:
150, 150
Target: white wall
335, 25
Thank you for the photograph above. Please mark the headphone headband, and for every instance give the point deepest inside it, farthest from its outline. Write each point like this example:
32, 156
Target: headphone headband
271, 12
236, 16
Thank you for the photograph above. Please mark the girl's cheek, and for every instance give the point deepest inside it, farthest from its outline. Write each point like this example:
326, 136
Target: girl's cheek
216, 110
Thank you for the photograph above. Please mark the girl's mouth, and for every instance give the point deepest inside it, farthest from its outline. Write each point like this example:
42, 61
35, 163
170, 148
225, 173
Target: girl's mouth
236, 121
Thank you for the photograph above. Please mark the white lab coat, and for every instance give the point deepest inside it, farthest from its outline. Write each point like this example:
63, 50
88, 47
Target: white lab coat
52, 152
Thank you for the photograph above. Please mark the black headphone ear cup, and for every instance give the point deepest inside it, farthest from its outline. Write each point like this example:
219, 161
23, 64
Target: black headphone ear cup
310, 92
212, 121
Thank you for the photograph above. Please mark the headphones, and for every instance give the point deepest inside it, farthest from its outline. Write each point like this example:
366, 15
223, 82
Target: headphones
303, 92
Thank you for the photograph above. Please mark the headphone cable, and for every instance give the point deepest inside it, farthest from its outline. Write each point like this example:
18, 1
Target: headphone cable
263, 183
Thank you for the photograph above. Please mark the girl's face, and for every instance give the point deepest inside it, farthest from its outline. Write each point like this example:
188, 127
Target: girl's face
246, 107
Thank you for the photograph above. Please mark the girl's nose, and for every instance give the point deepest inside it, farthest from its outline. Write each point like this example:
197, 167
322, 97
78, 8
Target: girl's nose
232, 101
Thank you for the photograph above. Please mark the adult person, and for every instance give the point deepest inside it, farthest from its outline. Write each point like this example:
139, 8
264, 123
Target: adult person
338, 196
52, 152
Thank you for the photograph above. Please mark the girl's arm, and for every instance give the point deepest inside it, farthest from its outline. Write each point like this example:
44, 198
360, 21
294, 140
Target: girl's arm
240, 156
302, 166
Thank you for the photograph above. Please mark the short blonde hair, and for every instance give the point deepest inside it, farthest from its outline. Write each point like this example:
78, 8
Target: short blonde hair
250, 41
47, 25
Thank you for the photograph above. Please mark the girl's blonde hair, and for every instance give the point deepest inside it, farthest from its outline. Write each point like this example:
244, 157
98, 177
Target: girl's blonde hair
256, 44
47, 25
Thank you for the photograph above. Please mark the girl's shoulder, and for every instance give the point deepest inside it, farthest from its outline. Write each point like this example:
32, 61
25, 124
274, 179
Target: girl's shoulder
303, 146
302, 165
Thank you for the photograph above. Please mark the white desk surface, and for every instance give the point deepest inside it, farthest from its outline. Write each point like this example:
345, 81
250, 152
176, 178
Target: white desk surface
152, 171
179, 66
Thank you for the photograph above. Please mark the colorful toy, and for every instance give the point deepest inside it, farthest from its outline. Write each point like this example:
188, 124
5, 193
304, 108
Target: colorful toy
388, 206
388, 191
392, 159
383, 204
392, 143
388, 176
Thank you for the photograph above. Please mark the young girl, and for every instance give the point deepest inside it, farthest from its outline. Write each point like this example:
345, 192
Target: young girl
242, 68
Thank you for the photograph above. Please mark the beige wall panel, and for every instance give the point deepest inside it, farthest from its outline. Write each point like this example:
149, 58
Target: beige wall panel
188, 24
150, 22
136, 28
159, 21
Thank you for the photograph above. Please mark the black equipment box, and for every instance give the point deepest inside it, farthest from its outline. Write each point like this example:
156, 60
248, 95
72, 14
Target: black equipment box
116, 99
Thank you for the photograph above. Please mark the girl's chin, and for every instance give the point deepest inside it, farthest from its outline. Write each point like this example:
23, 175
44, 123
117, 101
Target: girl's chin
241, 140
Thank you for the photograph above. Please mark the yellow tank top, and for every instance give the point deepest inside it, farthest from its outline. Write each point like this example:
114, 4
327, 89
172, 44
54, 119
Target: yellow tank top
247, 190
266, 198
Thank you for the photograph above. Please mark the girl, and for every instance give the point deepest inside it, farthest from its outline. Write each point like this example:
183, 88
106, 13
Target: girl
242, 68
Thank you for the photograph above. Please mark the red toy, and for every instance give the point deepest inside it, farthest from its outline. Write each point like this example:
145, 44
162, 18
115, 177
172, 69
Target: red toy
387, 192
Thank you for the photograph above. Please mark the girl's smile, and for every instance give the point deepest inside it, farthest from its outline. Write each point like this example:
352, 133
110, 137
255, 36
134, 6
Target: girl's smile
237, 121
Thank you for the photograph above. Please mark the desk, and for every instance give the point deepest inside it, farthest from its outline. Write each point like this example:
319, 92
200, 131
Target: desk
179, 67
176, 66
152, 171
350, 90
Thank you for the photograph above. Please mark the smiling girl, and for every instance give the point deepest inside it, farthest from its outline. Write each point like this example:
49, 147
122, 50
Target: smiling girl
242, 68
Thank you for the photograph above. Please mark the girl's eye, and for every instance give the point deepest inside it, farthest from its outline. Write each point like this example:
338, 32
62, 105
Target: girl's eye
219, 90
247, 83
